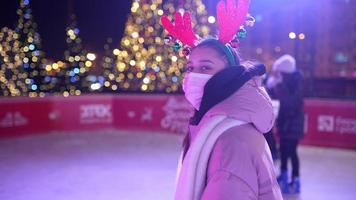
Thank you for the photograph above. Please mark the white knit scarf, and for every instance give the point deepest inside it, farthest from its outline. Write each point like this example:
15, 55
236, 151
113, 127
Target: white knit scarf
191, 178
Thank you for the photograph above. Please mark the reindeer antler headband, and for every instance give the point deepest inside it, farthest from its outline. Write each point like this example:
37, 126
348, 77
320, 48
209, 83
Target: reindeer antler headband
231, 18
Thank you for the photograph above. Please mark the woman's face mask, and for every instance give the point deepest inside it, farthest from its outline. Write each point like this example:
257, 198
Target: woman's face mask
203, 64
193, 87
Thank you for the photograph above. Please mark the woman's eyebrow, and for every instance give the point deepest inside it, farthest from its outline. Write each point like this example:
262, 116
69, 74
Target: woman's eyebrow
208, 61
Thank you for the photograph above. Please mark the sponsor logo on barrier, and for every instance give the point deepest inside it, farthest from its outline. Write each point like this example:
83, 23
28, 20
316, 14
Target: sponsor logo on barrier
13, 119
177, 116
345, 125
329, 123
326, 123
147, 115
131, 114
96, 113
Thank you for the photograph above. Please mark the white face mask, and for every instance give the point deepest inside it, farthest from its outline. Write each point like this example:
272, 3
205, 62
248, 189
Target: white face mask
193, 87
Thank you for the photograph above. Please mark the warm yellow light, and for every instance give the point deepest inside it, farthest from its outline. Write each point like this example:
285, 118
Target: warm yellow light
150, 29
158, 58
126, 85
301, 36
95, 86
65, 94
132, 62
135, 47
88, 63
134, 35
142, 64
111, 76
160, 12
91, 56
124, 54
71, 59
133, 9
48, 68
121, 66
116, 52
126, 42
130, 76
114, 87
77, 58
55, 66
153, 7
70, 32
141, 40
78, 92
144, 87
174, 58
107, 83
205, 30
135, 5
82, 70
139, 75
158, 40
292, 35
138, 55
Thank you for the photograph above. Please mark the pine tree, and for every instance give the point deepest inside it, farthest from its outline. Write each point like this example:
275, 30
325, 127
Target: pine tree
12, 75
71, 77
22, 68
145, 63
30, 50
108, 63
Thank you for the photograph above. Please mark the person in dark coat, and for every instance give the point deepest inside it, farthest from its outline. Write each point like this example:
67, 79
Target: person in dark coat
286, 83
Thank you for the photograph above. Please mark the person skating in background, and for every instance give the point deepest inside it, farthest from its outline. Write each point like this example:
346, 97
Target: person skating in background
286, 84
270, 135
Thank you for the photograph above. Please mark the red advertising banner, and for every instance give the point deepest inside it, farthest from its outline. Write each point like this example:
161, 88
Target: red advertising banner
19, 116
327, 122
330, 123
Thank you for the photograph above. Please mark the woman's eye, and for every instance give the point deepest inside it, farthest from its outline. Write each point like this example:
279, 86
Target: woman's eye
205, 68
189, 69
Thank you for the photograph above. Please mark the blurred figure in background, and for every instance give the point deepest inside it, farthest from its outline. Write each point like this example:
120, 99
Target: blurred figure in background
270, 135
286, 83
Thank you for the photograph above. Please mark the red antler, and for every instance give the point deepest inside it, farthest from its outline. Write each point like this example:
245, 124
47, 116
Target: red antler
230, 17
182, 28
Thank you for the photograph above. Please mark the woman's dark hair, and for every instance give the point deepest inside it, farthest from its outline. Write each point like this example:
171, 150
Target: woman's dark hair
227, 51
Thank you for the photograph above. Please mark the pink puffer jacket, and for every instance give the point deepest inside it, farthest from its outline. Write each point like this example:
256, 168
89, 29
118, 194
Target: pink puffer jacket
240, 165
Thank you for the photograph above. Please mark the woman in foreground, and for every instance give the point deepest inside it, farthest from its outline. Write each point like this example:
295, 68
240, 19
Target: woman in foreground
225, 155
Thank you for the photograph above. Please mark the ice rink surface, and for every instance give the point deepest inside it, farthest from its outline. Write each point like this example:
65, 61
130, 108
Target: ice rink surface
121, 165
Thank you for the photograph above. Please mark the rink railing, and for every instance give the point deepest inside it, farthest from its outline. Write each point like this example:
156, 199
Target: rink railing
330, 123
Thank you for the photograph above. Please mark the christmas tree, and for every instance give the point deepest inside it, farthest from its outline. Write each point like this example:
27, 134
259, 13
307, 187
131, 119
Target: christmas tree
12, 75
30, 51
109, 61
68, 77
145, 63
22, 70
78, 60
